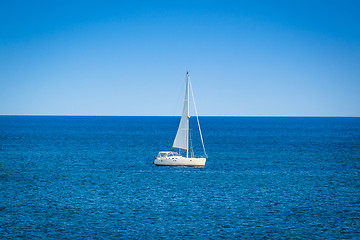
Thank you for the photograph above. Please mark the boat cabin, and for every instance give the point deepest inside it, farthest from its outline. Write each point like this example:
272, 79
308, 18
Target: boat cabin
167, 154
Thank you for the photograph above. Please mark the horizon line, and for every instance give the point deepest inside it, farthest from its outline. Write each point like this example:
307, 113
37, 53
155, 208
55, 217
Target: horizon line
95, 115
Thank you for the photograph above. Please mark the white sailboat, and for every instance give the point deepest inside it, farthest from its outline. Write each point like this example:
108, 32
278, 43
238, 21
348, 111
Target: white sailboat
181, 142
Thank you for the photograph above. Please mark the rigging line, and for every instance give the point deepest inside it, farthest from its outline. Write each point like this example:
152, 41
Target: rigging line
197, 118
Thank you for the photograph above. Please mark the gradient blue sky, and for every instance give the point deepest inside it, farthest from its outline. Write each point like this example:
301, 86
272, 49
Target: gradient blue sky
297, 58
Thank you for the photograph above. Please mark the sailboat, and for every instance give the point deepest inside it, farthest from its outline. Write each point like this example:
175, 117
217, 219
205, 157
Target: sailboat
181, 142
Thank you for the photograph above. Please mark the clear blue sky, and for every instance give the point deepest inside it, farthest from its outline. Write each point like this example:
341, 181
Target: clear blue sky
298, 58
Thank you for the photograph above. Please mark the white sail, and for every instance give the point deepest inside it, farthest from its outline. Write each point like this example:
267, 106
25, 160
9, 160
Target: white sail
181, 139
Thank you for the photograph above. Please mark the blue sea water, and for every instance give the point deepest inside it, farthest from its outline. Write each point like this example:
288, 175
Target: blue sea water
94, 178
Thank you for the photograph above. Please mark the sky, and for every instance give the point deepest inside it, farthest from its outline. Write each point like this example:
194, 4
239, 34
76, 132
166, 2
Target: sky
129, 58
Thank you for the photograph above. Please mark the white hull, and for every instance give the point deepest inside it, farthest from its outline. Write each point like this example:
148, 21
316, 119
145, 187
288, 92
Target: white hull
180, 161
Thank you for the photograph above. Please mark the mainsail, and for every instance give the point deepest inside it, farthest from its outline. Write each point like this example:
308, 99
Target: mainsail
181, 139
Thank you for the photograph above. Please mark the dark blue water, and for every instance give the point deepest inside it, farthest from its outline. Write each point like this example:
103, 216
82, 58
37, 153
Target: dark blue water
93, 178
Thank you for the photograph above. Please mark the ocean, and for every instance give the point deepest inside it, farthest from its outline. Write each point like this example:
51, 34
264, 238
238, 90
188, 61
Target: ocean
77, 177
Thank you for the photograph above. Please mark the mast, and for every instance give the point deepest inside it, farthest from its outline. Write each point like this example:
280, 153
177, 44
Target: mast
188, 117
